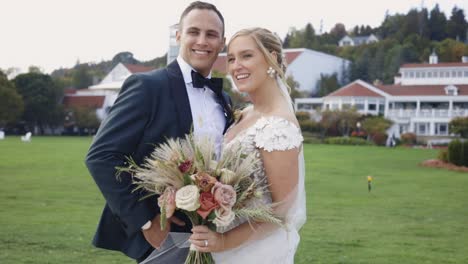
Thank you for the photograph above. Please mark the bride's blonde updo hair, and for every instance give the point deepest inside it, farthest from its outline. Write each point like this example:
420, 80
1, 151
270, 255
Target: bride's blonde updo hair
268, 43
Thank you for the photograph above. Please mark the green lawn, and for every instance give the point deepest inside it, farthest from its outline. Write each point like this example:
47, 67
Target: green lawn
49, 206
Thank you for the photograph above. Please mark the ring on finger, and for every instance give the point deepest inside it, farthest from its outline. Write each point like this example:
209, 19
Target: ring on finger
206, 242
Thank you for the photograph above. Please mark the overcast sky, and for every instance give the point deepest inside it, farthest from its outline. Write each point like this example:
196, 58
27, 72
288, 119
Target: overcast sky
56, 33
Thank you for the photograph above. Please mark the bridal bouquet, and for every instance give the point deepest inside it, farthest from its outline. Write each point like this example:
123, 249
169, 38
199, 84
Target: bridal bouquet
186, 176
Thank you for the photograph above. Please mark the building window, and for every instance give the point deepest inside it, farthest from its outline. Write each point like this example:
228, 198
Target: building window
417, 74
441, 129
411, 74
459, 74
423, 74
404, 129
466, 73
436, 74
359, 106
372, 107
381, 108
422, 128
454, 74
447, 74
429, 75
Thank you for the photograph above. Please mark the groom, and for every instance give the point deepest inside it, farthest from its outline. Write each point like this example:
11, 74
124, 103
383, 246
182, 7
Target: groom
152, 107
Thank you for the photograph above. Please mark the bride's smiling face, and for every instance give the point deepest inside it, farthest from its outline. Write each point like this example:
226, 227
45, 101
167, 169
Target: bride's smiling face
246, 64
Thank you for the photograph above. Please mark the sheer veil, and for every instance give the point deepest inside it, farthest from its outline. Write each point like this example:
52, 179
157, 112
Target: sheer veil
296, 214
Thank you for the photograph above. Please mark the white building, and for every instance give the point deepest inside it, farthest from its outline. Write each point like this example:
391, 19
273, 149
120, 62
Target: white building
356, 41
173, 51
423, 101
304, 65
103, 95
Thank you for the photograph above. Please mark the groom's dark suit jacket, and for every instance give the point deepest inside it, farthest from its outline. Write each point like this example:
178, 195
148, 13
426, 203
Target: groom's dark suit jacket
151, 107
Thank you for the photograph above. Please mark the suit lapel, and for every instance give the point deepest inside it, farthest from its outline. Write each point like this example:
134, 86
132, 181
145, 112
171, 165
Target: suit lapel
227, 108
179, 93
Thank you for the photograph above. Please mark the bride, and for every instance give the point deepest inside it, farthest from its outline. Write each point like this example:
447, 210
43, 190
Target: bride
269, 128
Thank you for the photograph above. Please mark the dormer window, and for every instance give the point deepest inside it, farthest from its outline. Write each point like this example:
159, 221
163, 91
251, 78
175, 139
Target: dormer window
451, 90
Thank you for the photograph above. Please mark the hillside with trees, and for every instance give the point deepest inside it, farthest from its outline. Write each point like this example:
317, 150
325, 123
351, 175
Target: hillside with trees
403, 38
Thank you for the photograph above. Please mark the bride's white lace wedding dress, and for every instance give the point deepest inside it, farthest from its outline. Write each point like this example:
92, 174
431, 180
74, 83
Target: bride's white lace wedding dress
279, 245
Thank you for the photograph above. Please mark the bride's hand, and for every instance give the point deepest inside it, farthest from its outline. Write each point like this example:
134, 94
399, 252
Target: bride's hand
206, 240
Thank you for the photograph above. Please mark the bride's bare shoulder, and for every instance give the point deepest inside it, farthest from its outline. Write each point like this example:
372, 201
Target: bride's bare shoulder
287, 115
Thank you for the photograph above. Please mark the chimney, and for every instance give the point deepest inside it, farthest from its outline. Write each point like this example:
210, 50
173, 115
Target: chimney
433, 59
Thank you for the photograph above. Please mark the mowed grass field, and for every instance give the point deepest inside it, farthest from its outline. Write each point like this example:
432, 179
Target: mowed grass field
50, 206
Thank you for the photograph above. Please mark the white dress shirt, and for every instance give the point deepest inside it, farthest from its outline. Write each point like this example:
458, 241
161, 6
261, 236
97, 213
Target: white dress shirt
207, 114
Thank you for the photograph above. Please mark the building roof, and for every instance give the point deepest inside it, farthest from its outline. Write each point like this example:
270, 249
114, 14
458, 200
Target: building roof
420, 90
436, 65
88, 101
69, 91
220, 64
134, 68
355, 89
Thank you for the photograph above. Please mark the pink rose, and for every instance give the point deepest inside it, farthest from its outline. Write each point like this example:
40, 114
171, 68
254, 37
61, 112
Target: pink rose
167, 201
207, 204
185, 166
225, 195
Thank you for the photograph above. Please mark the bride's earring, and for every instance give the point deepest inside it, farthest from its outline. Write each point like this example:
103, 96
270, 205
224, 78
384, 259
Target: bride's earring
271, 72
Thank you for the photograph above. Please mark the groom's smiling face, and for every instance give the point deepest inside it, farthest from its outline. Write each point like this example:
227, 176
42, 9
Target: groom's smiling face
200, 37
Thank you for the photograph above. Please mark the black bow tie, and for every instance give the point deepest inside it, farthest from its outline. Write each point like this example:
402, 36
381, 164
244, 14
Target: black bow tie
215, 84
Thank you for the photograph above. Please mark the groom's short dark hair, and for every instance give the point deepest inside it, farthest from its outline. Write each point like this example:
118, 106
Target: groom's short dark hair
201, 5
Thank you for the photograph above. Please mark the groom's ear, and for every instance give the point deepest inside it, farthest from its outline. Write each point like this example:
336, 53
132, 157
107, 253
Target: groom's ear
177, 36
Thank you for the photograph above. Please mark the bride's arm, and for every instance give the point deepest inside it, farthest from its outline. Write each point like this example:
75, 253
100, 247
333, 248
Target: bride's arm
281, 169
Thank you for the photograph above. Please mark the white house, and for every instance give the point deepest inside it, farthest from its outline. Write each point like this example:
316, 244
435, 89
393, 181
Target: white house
103, 95
356, 41
304, 65
423, 104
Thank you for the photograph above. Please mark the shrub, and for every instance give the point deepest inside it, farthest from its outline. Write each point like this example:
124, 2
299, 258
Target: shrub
379, 139
309, 126
346, 141
455, 152
443, 155
301, 116
465, 153
408, 138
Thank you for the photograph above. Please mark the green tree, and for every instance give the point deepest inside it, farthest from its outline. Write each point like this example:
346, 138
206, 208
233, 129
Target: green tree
376, 128
41, 99
338, 122
459, 126
294, 85
327, 84
11, 103
124, 57
86, 119
437, 24
450, 50
457, 25
81, 77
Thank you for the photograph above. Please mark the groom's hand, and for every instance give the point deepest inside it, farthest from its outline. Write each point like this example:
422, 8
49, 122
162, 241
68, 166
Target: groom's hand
154, 235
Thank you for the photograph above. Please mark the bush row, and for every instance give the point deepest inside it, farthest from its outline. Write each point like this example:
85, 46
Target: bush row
347, 141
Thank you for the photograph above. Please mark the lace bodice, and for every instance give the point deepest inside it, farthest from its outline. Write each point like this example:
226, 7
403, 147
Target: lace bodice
270, 134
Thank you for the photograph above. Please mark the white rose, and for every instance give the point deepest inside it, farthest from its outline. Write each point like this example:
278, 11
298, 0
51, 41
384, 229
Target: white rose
223, 217
188, 198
